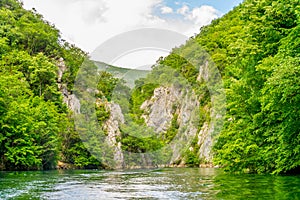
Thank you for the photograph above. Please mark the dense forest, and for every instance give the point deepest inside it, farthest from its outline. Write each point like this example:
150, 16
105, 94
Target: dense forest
257, 50
255, 47
36, 127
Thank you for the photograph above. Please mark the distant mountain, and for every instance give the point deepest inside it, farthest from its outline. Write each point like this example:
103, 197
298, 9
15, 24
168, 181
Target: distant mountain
129, 75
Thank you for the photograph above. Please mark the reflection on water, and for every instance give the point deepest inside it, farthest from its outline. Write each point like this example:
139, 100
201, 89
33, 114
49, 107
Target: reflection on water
178, 183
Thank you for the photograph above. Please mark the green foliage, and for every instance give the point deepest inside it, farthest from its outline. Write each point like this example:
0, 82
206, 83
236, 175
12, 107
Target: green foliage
191, 159
73, 58
29, 132
102, 113
172, 131
261, 134
106, 85
255, 47
140, 94
35, 127
139, 139
73, 150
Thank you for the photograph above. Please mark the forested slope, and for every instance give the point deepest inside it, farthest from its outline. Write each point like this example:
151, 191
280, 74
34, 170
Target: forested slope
256, 48
36, 128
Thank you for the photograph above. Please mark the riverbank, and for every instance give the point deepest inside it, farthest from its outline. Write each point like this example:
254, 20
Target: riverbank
67, 166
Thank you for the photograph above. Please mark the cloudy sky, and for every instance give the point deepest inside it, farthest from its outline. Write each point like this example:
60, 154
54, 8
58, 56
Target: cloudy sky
89, 23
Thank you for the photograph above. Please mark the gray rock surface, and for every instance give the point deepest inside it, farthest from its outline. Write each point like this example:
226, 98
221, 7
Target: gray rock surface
112, 126
159, 111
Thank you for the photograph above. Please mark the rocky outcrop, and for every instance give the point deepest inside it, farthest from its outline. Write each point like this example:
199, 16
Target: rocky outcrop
69, 99
112, 127
61, 69
64, 166
168, 102
159, 110
205, 142
72, 102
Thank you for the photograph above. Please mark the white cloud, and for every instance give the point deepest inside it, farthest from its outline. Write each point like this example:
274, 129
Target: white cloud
89, 23
166, 10
183, 10
198, 17
203, 15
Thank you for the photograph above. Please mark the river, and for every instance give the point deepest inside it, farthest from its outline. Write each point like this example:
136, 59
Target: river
169, 183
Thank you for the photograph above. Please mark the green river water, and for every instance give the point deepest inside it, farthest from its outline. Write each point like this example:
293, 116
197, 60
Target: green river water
169, 183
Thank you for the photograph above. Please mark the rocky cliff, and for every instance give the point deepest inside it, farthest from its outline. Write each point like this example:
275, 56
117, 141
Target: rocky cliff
167, 106
112, 127
69, 99
169, 102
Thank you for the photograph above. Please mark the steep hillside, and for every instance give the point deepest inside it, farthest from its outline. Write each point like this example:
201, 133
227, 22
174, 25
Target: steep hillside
256, 50
37, 73
229, 97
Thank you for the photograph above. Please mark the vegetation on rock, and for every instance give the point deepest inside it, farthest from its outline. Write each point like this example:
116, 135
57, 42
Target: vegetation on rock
255, 47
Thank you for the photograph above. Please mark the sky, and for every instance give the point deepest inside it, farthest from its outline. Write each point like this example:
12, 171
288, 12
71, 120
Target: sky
90, 23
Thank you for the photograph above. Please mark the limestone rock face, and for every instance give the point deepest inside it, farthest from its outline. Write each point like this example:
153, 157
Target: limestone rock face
164, 105
205, 142
203, 72
112, 126
61, 69
69, 99
159, 109
167, 104
72, 102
